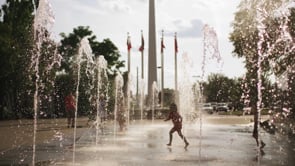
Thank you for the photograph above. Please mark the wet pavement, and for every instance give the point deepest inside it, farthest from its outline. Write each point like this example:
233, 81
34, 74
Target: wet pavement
220, 140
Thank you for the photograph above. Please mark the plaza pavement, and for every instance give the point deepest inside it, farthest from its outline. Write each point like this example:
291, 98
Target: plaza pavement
216, 141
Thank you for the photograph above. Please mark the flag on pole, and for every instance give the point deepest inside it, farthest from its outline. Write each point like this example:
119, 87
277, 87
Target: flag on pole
128, 43
162, 45
141, 48
175, 44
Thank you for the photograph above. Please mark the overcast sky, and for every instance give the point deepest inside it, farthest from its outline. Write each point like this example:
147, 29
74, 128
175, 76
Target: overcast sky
114, 18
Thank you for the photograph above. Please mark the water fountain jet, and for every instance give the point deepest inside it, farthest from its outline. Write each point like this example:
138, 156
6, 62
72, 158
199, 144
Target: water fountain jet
43, 23
84, 56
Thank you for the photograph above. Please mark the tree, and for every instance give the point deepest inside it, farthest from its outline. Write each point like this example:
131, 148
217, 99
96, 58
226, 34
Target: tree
16, 42
70, 44
69, 49
49, 61
110, 53
220, 88
169, 96
260, 38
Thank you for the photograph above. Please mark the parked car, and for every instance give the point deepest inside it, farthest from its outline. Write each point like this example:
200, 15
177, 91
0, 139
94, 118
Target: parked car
214, 105
207, 107
222, 107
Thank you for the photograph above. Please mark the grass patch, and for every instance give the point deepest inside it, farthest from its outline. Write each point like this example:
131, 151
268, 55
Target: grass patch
236, 113
240, 113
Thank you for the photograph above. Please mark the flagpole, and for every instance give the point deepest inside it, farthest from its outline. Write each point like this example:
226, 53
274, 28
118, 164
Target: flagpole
175, 65
142, 66
142, 58
162, 75
128, 78
128, 42
137, 84
141, 49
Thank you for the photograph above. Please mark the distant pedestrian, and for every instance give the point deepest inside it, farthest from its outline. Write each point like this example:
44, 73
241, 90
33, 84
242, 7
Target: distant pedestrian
177, 124
70, 104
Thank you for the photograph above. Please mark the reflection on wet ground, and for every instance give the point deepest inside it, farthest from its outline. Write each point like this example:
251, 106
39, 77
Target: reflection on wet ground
224, 141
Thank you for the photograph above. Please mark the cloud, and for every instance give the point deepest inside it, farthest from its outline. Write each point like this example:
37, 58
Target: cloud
192, 31
114, 5
101, 7
200, 5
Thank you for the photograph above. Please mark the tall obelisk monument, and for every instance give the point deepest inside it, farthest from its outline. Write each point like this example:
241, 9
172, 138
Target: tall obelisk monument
152, 59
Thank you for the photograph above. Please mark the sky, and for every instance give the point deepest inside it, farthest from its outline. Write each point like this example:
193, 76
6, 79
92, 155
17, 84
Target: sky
113, 19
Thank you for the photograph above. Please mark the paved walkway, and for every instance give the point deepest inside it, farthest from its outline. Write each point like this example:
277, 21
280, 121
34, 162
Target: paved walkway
221, 141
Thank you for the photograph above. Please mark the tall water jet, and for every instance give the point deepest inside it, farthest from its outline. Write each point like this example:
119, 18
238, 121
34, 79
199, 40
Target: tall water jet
211, 51
84, 56
43, 23
266, 46
186, 95
101, 96
119, 110
261, 31
210, 48
128, 98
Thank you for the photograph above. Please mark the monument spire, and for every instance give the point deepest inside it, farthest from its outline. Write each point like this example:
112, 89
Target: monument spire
152, 54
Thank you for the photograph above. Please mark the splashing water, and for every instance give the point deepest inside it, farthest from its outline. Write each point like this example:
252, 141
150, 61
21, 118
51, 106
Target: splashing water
283, 12
284, 36
210, 48
119, 111
128, 97
43, 23
261, 32
210, 51
84, 56
186, 94
102, 79
44, 19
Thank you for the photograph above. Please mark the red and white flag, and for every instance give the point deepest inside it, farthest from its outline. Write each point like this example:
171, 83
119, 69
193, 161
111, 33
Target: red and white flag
141, 48
175, 45
162, 45
128, 43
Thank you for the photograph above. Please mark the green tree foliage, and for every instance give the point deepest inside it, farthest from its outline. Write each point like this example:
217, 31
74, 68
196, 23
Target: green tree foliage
110, 53
220, 88
258, 29
16, 45
49, 61
169, 97
70, 44
18, 54
69, 49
